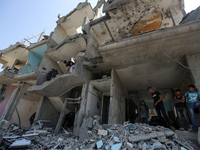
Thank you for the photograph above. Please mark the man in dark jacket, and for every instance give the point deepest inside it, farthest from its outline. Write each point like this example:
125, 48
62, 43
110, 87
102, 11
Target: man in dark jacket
158, 104
51, 74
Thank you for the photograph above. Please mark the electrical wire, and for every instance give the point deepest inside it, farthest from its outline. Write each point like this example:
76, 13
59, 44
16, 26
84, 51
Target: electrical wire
170, 56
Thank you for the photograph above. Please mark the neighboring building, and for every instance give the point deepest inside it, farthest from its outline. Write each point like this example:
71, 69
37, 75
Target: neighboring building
117, 55
20, 64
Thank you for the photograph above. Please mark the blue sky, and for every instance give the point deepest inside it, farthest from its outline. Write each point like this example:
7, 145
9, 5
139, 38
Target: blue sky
26, 18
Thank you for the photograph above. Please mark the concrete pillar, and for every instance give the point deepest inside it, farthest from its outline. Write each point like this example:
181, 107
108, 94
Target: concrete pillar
82, 111
13, 65
117, 100
38, 112
60, 120
194, 64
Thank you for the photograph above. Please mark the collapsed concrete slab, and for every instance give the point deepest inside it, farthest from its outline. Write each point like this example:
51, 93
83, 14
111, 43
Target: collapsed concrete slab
14, 56
54, 87
62, 83
67, 49
7, 77
20, 62
68, 25
28, 77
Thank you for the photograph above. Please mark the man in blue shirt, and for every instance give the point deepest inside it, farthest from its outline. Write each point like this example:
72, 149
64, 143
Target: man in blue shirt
192, 103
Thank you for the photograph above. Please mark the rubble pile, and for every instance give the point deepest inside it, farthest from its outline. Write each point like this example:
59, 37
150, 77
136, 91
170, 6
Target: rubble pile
12, 136
93, 136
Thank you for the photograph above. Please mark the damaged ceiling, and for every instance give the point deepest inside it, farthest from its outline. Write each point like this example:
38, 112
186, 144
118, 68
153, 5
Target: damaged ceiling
159, 74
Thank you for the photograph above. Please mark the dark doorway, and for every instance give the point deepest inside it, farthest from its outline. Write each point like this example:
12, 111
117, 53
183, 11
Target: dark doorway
130, 110
105, 113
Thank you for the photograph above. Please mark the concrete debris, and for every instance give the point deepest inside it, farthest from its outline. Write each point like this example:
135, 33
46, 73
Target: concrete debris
99, 144
20, 143
89, 122
108, 136
102, 132
116, 146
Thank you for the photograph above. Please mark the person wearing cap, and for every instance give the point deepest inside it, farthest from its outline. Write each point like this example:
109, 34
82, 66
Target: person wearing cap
158, 104
144, 112
179, 101
69, 65
192, 98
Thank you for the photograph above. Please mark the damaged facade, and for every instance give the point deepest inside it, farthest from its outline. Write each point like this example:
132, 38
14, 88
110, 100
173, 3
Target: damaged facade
133, 44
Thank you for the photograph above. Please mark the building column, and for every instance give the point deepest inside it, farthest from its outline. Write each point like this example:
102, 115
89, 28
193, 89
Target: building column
82, 111
117, 100
60, 120
194, 64
38, 112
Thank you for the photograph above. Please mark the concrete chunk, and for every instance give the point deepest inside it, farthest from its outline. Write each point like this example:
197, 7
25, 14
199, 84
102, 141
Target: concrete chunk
102, 132
116, 146
89, 122
20, 143
99, 144
145, 137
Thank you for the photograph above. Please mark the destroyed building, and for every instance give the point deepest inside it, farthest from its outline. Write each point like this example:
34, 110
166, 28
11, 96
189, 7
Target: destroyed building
120, 47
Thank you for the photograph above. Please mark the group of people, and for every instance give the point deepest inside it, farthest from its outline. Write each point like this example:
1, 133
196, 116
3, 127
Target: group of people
189, 101
69, 67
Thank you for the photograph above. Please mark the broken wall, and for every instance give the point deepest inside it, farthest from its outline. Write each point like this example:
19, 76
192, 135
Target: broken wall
130, 17
48, 112
59, 34
6, 97
93, 102
26, 105
117, 100
68, 25
34, 57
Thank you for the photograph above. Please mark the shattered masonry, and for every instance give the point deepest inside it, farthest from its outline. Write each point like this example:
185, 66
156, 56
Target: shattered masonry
119, 47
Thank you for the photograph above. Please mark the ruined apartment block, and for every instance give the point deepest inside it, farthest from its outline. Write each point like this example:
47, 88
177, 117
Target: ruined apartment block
120, 47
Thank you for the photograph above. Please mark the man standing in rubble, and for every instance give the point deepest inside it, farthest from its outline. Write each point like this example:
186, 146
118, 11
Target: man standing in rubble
158, 104
69, 66
193, 102
179, 101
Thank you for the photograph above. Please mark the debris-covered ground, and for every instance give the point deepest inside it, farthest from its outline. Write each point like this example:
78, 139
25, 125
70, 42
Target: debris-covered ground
93, 136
